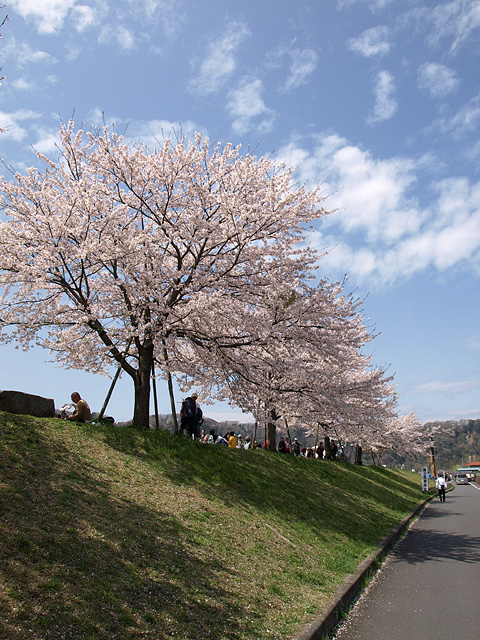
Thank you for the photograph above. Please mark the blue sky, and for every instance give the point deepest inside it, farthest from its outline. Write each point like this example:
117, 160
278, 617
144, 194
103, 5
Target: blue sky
379, 100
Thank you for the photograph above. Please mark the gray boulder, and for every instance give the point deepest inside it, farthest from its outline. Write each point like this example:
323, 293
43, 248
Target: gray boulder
26, 404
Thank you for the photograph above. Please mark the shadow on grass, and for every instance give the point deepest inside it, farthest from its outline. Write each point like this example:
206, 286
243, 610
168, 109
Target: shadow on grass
77, 561
329, 497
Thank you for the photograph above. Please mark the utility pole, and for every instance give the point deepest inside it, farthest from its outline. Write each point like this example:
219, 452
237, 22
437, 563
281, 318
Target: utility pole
433, 471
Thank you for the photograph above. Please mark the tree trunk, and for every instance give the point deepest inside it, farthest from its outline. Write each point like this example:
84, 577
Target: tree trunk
141, 412
272, 431
358, 454
328, 451
272, 436
170, 390
172, 402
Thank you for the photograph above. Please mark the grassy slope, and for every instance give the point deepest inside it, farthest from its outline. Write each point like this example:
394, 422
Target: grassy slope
122, 533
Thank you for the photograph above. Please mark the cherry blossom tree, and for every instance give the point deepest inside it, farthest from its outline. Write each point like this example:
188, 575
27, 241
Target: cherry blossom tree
114, 254
306, 366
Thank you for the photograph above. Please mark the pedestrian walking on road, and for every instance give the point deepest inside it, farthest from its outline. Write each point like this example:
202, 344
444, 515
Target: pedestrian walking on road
441, 485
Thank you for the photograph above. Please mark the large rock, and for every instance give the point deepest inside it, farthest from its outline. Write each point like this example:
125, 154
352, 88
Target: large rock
26, 404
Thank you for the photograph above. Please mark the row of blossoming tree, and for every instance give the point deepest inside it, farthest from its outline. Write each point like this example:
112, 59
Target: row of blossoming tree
189, 261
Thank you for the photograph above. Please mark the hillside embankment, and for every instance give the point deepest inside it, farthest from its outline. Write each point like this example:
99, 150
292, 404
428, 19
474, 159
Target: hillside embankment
123, 533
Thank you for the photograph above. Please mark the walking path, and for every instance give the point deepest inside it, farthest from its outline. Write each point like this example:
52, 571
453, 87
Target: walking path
429, 588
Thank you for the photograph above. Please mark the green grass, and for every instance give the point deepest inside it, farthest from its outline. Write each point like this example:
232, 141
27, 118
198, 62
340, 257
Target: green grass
123, 533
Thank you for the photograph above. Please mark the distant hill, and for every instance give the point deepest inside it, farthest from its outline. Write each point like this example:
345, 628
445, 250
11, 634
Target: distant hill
457, 443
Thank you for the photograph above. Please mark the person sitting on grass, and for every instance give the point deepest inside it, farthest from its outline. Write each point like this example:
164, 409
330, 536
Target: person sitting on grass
82, 411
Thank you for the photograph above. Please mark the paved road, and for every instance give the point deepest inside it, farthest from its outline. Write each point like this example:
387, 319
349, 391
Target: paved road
429, 588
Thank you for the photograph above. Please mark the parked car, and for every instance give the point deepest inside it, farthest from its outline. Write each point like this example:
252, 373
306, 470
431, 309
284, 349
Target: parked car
462, 478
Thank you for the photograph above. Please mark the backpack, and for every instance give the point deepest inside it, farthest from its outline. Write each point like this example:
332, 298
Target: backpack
189, 408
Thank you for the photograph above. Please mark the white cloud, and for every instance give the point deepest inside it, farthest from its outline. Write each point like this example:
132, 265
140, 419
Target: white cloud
46, 140
371, 195
455, 20
48, 15
465, 121
10, 123
150, 133
379, 232
246, 106
119, 34
22, 84
372, 42
83, 17
170, 13
303, 64
220, 61
437, 80
385, 102
373, 5
23, 54
449, 388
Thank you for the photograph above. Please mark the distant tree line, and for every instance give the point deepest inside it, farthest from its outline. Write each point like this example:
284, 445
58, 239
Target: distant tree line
456, 443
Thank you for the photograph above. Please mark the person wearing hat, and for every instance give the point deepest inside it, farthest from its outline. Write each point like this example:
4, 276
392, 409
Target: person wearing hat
191, 416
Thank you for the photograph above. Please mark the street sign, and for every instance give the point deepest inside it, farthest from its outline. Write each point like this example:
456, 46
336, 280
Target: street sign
424, 479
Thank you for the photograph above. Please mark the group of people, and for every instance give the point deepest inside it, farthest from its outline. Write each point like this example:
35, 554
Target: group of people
191, 420
318, 452
228, 440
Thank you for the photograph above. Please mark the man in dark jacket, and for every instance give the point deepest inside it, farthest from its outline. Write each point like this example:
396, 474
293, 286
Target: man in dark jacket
191, 416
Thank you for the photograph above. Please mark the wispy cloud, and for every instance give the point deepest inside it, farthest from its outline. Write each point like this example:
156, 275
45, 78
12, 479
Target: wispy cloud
220, 60
23, 54
301, 65
373, 5
247, 108
373, 42
455, 20
437, 80
453, 387
121, 35
150, 133
460, 123
385, 101
22, 84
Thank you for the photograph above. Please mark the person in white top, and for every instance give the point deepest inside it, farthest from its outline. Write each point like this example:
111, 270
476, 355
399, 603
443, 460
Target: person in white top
441, 485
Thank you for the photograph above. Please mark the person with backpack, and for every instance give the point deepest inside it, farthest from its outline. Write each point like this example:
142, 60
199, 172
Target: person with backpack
191, 416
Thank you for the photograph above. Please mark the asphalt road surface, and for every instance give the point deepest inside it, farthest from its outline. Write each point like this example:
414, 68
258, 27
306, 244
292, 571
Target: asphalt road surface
429, 588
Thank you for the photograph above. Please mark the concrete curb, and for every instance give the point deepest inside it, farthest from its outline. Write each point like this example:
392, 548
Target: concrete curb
322, 626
